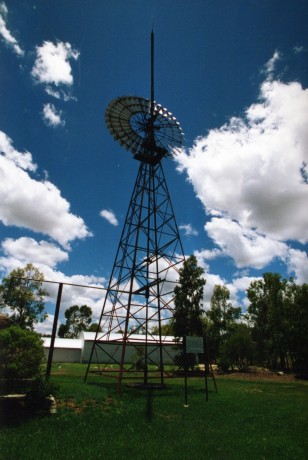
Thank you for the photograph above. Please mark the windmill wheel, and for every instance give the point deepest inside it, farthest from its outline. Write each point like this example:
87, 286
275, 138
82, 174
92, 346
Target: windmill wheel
150, 134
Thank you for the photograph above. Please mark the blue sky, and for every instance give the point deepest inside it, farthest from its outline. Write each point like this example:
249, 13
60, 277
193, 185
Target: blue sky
235, 76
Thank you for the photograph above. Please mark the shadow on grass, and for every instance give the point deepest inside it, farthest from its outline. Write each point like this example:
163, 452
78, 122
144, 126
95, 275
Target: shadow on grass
17, 413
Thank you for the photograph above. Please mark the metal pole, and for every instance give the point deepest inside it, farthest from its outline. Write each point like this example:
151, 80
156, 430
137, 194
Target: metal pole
54, 331
152, 73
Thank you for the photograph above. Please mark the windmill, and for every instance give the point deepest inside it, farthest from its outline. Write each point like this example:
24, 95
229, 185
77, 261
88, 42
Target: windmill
139, 296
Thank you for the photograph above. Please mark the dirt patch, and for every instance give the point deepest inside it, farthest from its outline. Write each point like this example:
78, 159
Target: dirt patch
260, 374
107, 405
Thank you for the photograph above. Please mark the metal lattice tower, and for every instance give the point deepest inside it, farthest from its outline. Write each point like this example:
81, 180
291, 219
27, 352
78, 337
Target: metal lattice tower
140, 295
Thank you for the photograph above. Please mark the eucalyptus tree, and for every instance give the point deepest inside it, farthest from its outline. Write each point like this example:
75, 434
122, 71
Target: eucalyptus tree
188, 295
221, 319
77, 319
270, 304
23, 296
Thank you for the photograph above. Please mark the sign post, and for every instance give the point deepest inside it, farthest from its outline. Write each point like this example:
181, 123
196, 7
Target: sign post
193, 345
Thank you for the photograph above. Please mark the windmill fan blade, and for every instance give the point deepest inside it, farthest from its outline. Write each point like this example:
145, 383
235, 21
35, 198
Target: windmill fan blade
149, 136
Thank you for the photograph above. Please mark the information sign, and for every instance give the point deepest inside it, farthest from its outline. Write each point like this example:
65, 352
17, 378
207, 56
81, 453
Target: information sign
194, 344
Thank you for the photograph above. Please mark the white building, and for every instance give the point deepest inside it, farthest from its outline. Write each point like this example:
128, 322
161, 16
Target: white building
65, 350
79, 350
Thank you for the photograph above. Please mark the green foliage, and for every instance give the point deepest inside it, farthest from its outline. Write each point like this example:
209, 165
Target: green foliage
297, 317
77, 319
94, 327
238, 349
24, 297
139, 358
221, 320
278, 313
166, 329
38, 391
266, 311
21, 355
188, 296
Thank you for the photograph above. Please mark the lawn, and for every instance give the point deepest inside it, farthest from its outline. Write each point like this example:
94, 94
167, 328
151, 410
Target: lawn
245, 419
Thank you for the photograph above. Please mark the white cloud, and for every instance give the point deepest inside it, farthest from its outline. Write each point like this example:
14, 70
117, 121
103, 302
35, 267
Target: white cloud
211, 281
188, 230
7, 36
52, 65
208, 254
39, 206
243, 283
53, 92
109, 216
3, 9
245, 246
59, 94
21, 159
46, 326
28, 250
52, 117
251, 171
298, 49
298, 264
271, 63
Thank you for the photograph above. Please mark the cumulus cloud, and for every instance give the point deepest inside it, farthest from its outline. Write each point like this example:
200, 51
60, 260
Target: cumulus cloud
38, 206
7, 36
109, 216
298, 264
22, 160
250, 176
28, 250
208, 254
245, 246
52, 117
52, 65
188, 230
46, 326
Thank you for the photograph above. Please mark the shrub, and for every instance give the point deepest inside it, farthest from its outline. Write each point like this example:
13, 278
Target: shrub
21, 356
37, 395
237, 350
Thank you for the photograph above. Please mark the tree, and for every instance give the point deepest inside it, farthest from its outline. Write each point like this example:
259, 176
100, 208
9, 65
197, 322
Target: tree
297, 316
222, 317
188, 296
166, 329
21, 292
268, 312
21, 355
94, 327
77, 319
238, 349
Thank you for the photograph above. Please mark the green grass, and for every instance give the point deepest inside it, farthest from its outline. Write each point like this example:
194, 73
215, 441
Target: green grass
244, 420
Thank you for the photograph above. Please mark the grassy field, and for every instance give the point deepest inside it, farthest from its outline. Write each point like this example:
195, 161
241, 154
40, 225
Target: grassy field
246, 419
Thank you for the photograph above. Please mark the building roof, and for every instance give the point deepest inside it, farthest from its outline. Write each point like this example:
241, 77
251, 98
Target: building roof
63, 343
133, 338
